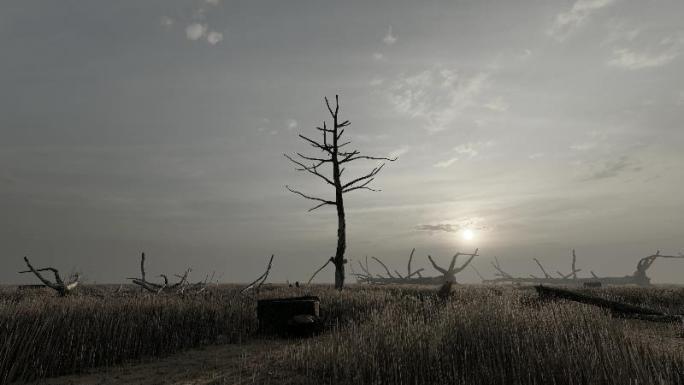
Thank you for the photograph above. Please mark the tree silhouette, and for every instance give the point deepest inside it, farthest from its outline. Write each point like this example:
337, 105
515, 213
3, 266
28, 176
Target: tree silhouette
335, 157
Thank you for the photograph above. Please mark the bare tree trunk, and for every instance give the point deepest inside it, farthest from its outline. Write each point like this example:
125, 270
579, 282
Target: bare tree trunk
331, 146
339, 203
341, 247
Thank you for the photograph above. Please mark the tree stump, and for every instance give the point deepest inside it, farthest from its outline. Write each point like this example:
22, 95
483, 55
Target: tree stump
299, 316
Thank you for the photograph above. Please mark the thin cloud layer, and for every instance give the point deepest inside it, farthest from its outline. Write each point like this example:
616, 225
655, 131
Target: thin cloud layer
614, 167
631, 60
436, 96
389, 38
554, 121
565, 23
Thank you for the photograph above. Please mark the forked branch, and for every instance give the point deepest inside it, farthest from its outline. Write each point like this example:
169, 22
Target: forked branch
63, 288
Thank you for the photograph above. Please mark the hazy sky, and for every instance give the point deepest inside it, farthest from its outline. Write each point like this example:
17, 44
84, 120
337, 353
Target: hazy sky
161, 126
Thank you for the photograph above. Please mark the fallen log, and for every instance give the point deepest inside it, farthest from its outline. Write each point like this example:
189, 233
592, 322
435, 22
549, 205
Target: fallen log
618, 308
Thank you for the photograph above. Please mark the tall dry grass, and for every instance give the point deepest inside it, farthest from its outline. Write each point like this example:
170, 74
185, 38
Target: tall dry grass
44, 335
376, 335
485, 336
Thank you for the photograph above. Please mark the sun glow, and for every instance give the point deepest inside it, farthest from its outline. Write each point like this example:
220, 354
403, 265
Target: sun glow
467, 234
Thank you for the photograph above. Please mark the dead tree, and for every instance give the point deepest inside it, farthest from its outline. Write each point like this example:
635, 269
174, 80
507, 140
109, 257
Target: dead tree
639, 276
336, 157
450, 273
63, 288
414, 277
179, 287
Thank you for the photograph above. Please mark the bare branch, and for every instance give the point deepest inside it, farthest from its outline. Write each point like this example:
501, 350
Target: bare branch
353, 158
40, 277
321, 268
323, 201
371, 174
497, 266
311, 158
441, 270
59, 285
417, 272
542, 268
362, 187
261, 279
365, 268
384, 266
467, 262
311, 169
327, 104
323, 147
408, 269
477, 272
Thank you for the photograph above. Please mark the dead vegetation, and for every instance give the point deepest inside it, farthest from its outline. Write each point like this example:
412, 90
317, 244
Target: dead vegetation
403, 334
414, 277
182, 286
60, 286
639, 277
336, 156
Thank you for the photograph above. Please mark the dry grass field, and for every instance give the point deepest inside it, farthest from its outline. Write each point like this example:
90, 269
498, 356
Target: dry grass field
374, 335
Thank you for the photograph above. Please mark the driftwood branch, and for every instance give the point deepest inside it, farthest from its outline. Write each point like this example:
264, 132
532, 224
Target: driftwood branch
639, 277
384, 266
180, 287
501, 273
477, 272
415, 277
542, 268
63, 288
256, 284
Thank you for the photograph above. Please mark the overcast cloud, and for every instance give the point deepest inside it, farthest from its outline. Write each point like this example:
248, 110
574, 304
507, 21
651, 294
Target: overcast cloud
160, 126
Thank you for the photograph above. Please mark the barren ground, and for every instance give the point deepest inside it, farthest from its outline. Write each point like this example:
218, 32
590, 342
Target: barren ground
218, 364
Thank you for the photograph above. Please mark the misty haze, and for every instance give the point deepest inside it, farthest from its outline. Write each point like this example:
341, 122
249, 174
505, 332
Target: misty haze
367, 192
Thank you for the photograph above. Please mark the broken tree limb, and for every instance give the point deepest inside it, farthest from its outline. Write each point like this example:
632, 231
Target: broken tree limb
448, 274
384, 266
441, 270
59, 285
619, 308
417, 272
501, 273
546, 275
477, 272
256, 284
408, 269
179, 287
330, 260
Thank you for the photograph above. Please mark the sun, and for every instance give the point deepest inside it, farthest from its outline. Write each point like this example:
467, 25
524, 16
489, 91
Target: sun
467, 234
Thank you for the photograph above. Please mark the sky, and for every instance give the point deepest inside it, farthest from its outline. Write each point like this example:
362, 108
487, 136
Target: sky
160, 126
